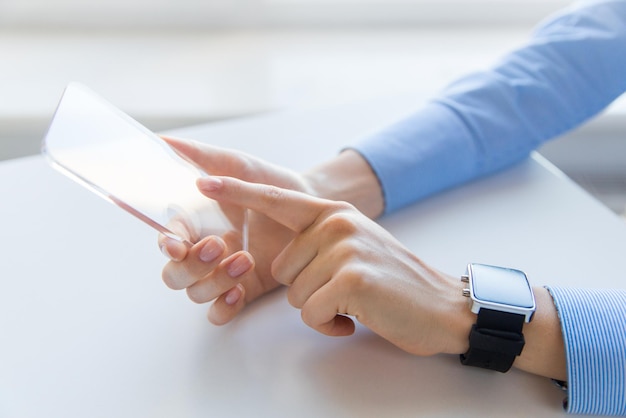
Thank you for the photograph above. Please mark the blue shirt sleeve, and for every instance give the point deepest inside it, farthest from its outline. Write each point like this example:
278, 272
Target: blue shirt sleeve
593, 323
572, 68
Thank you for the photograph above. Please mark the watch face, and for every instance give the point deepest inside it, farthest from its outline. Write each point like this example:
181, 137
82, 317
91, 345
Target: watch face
501, 285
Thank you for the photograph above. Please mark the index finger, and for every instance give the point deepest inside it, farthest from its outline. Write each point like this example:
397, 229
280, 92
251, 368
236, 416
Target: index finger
295, 210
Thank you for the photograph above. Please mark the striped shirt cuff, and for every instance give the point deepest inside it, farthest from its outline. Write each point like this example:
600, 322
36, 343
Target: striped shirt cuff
593, 322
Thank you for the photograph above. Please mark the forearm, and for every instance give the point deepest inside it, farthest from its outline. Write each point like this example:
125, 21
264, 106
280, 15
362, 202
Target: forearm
569, 71
348, 177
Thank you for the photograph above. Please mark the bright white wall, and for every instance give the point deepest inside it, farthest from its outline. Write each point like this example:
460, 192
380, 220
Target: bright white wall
263, 13
175, 62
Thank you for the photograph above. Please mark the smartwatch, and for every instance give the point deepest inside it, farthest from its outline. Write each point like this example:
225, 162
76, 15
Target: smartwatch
503, 301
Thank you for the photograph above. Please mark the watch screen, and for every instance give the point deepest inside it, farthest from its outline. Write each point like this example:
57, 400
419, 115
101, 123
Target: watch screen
501, 285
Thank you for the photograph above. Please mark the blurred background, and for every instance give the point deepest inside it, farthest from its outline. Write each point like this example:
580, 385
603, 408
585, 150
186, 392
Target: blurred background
175, 63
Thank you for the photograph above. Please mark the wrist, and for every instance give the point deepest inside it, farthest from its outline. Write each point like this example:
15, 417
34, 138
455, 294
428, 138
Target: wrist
544, 353
504, 302
460, 320
452, 318
347, 177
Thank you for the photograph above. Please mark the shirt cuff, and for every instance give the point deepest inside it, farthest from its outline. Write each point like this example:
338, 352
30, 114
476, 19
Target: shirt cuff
593, 323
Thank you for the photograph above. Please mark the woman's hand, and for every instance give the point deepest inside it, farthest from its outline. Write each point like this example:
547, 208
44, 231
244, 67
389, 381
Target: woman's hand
335, 261
342, 263
215, 268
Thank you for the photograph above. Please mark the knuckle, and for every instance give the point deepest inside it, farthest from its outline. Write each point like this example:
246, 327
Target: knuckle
273, 195
346, 251
294, 298
307, 317
339, 224
354, 280
341, 205
275, 271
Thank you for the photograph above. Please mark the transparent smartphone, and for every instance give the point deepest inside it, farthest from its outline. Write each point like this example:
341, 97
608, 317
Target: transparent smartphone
109, 153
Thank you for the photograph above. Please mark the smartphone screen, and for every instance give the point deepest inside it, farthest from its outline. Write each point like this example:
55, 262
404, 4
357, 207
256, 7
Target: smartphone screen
109, 153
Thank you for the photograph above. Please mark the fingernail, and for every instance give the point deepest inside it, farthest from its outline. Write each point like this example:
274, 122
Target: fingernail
164, 251
209, 184
239, 265
212, 248
170, 244
233, 296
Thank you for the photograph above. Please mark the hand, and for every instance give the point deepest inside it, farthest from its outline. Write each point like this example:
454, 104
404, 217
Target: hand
214, 268
342, 263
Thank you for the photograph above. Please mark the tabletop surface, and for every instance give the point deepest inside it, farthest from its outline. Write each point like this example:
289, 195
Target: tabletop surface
89, 329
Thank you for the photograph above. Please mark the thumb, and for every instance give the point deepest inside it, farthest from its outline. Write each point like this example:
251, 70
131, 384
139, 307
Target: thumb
218, 161
210, 159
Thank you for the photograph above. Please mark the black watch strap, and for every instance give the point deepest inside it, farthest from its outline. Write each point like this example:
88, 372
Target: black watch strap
495, 340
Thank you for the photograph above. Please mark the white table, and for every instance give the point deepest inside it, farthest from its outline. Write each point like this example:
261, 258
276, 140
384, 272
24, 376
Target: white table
88, 328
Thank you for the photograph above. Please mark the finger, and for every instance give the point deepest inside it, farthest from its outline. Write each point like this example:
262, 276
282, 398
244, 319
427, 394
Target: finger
295, 210
227, 306
293, 264
193, 151
225, 162
324, 312
313, 277
211, 159
202, 258
172, 248
216, 161
223, 278
294, 258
